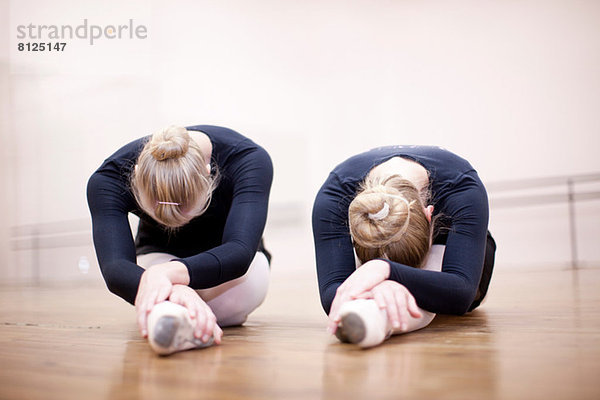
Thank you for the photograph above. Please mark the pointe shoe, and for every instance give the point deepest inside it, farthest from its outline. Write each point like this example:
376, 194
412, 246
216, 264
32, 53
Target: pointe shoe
170, 329
363, 323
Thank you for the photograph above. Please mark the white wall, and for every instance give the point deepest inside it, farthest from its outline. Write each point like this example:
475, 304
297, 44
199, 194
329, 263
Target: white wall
6, 183
512, 86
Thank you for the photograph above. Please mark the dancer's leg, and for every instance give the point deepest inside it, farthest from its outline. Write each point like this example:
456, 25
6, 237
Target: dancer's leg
233, 301
366, 325
486, 274
147, 260
434, 260
169, 325
170, 328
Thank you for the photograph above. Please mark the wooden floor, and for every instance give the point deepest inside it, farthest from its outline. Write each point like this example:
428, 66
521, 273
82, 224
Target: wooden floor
536, 337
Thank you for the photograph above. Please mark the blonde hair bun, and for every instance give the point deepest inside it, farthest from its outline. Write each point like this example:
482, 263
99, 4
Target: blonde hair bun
171, 182
378, 215
387, 220
171, 142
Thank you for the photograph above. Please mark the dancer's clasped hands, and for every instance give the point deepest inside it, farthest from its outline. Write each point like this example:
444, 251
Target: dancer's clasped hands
155, 287
366, 277
370, 281
205, 321
399, 304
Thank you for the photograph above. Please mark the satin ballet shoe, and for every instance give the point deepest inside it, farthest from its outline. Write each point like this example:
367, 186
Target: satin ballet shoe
363, 323
170, 329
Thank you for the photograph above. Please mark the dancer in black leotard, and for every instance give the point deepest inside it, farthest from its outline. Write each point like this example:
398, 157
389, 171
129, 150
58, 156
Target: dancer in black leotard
201, 194
380, 206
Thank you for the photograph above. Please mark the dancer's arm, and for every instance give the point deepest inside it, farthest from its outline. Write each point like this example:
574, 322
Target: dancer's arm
115, 250
453, 290
333, 245
252, 173
113, 241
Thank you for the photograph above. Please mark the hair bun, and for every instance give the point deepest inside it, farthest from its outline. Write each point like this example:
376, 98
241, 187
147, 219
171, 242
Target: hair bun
172, 142
379, 214
387, 220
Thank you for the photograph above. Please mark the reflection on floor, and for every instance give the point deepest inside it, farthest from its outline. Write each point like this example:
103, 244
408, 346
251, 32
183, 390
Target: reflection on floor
536, 337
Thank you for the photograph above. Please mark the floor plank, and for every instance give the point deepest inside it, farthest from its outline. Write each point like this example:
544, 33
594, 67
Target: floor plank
536, 337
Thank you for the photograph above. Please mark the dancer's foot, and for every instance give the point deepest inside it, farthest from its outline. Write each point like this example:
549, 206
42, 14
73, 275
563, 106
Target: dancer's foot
170, 329
362, 323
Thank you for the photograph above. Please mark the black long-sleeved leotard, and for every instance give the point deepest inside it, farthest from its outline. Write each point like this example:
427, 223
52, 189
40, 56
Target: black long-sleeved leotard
216, 247
457, 193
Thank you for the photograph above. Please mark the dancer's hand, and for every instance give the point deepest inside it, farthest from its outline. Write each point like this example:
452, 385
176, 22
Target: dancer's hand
398, 302
362, 280
205, 322
155, 287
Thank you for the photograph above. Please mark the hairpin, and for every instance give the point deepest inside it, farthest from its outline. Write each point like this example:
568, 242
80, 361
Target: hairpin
381, 214
169, 203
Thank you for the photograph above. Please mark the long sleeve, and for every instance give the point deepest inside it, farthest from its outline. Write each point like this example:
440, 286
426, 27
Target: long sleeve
252, 174
333, 244
453, 290
113, 241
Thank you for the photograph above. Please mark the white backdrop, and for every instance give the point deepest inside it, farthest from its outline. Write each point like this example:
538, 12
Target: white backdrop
512, 86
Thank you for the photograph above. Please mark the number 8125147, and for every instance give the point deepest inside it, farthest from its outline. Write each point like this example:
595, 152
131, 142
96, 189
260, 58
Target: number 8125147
34, 46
